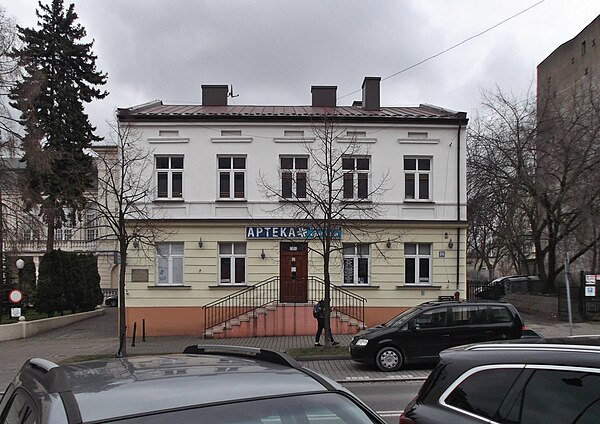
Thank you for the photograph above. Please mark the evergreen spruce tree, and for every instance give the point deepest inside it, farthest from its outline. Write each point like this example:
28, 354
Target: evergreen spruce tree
60, 76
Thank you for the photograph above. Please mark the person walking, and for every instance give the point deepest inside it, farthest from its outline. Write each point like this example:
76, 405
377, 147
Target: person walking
319, 314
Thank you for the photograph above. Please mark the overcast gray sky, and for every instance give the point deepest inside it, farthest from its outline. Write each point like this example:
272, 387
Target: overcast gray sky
272, 51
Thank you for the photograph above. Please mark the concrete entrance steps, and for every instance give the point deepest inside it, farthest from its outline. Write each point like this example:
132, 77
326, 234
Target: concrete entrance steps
283, 319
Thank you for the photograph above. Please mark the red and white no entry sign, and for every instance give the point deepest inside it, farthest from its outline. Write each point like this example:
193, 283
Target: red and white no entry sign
15, 296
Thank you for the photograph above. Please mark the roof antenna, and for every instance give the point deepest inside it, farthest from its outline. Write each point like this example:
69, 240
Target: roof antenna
230, 94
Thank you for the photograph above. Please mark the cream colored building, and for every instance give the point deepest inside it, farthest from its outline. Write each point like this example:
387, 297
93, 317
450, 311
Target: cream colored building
234, 260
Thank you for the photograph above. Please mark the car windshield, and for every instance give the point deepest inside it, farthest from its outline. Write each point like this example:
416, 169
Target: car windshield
313, 408
399, 320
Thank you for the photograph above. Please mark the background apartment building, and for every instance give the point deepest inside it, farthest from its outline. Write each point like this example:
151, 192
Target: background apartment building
235, 257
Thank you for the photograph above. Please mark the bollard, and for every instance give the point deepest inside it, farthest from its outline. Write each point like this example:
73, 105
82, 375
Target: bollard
144, 329
121, 343
133, 339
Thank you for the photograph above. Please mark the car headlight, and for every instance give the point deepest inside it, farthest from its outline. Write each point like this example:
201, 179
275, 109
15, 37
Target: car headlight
362, 342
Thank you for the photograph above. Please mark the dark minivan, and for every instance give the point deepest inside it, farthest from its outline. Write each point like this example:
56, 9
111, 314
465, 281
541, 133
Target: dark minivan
420, 333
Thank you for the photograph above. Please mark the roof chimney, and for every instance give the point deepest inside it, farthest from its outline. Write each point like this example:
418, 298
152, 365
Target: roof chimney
370, 93
214, 95
323, 95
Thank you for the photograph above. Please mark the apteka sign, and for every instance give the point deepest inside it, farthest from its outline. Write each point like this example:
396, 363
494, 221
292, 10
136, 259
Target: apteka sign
290, 233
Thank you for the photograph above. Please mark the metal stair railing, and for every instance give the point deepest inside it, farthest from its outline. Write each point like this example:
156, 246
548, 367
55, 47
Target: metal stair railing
341, 299
266, 292
241, 302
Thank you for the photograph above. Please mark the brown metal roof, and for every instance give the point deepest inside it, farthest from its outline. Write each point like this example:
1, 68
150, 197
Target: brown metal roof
158, 111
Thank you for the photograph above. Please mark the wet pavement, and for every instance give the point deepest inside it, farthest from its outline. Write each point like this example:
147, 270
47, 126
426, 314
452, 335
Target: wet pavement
98, 336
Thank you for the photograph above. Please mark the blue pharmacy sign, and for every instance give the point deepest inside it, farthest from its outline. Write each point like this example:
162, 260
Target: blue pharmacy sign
290, 233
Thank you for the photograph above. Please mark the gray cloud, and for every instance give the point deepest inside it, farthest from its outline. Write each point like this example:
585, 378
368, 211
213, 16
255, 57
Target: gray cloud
272, 51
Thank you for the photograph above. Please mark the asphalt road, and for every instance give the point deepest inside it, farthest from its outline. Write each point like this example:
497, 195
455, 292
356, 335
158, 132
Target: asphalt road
387, 399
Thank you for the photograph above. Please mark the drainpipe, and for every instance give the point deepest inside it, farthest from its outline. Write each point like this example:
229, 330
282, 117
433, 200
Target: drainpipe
458, 209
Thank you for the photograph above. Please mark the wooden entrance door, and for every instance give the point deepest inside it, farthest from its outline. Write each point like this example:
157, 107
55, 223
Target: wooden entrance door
293, 273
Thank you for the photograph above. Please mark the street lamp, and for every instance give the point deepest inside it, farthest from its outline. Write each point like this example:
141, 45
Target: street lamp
20, 265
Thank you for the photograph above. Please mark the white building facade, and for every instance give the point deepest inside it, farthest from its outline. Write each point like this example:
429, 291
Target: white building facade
232, 261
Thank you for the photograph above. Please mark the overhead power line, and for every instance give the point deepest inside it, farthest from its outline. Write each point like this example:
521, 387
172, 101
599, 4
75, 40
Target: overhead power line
452, 47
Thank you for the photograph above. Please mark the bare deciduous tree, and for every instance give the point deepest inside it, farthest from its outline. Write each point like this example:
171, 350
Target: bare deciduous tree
122, 207
540, 166
337, 194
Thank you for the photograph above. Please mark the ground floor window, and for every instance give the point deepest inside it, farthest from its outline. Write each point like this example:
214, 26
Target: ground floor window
356, 263
232, 263
169, 264
417, 263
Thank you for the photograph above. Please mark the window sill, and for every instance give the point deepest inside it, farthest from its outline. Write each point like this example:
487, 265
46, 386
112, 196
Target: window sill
417, 287
418, 202
165, 200
166, 286
360, 286
357, 202
228, 286
283, 200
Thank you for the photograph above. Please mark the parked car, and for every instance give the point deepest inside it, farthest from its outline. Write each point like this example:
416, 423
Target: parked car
112, 301
549, 381
421, 333
205, 384
500, 287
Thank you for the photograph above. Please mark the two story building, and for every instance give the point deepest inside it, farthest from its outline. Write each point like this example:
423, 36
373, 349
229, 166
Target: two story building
234, 186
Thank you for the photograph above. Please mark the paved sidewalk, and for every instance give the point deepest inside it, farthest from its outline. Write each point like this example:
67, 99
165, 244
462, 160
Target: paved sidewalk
98, 336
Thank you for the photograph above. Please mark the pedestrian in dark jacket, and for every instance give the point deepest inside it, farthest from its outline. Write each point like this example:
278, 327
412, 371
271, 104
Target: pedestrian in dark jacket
319, 314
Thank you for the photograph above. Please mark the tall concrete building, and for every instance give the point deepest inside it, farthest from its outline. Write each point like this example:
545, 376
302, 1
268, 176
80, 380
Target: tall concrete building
572, 67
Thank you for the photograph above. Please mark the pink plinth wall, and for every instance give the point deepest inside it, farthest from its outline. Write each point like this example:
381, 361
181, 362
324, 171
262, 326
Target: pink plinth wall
284, 320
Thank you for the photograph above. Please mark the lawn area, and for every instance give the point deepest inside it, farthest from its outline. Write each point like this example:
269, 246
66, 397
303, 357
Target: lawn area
30, 315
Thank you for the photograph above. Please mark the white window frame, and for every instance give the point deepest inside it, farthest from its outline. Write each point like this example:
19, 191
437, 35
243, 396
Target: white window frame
232, 262
355, 256
232, 173
167, 247
92, 221
170, 172
294, 171
417, 261
356, 173
65, 232
29, 228
416, 174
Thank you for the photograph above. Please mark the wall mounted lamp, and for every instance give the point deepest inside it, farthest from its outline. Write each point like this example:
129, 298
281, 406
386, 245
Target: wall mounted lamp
262, 253
388, 244
199, 242
450, 244
446, 235
136, 244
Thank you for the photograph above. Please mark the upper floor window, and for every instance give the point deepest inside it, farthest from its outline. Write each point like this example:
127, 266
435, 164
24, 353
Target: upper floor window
91, 225
169, 177
356, 177
356, 263
417, 263
293, 177
29, 228
232, 263
232, 177
169, 264
417, 178
65, 232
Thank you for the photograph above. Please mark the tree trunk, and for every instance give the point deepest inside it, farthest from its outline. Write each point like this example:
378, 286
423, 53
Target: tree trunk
327, 312
122, 315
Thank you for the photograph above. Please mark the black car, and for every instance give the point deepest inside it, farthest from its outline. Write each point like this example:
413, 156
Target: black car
205, 384
519, 382
500, 287
112, 301
422, 332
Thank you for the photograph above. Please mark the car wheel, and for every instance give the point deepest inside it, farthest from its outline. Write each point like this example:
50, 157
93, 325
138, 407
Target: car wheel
112, 302
389, 359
